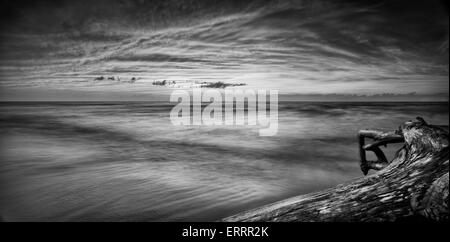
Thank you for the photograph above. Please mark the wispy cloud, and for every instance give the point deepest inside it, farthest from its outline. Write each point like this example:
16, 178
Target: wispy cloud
295, 48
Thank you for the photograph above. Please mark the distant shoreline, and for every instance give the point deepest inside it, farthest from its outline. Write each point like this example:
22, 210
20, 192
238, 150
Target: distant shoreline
167, 101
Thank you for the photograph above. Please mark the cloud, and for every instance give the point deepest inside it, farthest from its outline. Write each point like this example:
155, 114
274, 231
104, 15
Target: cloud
293, 47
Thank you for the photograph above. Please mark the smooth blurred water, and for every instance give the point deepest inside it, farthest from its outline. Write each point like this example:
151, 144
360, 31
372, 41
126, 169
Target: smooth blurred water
126, 161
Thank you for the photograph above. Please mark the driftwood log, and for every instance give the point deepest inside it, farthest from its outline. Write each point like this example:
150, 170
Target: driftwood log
412, 186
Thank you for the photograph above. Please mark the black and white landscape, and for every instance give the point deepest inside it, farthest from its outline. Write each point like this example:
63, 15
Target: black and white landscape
85, 133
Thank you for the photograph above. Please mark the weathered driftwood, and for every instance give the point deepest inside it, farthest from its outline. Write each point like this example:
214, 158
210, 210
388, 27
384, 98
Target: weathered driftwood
414, 185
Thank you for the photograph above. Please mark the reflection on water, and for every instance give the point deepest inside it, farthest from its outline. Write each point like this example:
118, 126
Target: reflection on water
126, 161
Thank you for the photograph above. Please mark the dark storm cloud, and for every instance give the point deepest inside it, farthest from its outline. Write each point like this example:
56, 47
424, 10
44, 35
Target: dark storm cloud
69, 15
66, 15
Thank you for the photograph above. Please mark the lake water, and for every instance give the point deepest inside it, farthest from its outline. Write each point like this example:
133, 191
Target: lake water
127, 162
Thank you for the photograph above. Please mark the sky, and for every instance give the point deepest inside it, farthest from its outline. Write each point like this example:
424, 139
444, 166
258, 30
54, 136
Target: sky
321, 50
